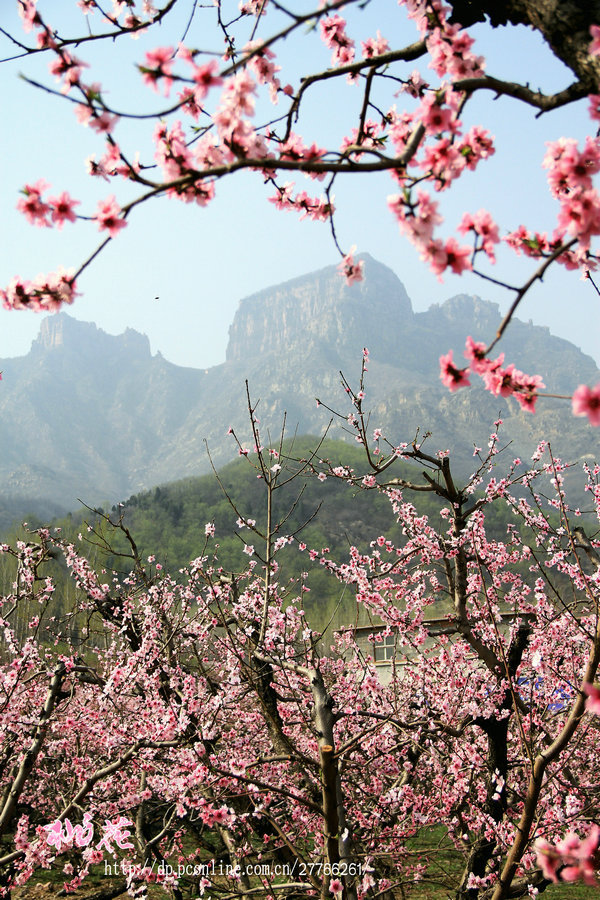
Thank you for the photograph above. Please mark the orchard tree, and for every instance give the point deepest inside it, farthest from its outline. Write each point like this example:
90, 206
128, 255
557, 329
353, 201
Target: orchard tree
204, 737
232, 60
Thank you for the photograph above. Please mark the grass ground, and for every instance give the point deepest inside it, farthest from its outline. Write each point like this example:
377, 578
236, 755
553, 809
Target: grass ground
444, 867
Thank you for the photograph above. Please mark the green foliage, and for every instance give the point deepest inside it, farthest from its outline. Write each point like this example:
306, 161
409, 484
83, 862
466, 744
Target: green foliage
168, 523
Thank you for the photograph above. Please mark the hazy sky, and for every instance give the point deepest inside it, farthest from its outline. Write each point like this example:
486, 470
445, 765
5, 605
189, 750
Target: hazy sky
201, 262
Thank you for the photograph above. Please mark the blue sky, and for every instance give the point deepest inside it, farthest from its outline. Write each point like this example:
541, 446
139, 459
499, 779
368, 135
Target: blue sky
201, 262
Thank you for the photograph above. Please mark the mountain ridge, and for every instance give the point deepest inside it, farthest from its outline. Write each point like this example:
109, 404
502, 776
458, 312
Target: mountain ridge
92, 416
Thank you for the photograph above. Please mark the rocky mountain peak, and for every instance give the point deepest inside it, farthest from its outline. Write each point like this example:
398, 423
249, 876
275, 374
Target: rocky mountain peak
51, 334
321, 309
59, 331
467, 306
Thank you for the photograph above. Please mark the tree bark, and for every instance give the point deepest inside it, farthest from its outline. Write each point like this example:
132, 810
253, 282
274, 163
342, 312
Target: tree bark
564, 25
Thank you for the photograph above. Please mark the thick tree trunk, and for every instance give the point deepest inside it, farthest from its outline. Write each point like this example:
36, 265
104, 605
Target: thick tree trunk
564, 24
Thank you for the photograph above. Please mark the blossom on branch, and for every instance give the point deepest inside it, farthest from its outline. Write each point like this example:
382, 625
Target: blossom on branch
571, 859
450, 254
29, 14
586, 402
63, 209
592, 703
374, 46
32, 206
452, 377
485, 228
351, 270
46, 293
594, 48
333, 34
109, 216
158, 65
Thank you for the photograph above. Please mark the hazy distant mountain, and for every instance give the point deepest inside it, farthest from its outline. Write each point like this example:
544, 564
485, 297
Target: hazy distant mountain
91, 416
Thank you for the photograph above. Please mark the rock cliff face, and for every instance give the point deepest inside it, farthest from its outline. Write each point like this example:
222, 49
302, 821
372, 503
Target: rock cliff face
320, 310
61, 330
93, 416
51, 333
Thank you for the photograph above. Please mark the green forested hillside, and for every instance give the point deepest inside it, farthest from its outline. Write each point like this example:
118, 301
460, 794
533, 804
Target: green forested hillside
169, 521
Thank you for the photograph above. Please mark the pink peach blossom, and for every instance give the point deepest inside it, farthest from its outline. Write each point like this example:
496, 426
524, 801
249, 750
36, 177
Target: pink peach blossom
586, 402
109, 216
452, 377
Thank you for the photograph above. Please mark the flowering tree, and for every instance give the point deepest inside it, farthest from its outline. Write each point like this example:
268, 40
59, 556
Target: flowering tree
203, 736
412, 127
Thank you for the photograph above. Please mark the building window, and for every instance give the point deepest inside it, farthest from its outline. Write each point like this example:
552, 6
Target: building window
385, 651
